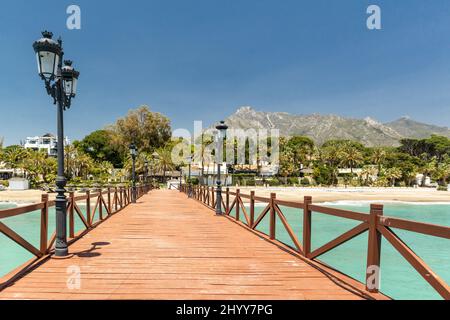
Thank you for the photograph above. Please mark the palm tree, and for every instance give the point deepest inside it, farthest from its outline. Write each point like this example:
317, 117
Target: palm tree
70, 154
330, 156
442, 173
164, 161
13, 158
351, 157
104, 169
393, 174
378, 157
428, 169
83, 164
34, 163
367, 172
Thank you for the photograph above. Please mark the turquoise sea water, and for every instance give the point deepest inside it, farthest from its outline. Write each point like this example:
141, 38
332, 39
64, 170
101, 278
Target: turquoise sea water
28, 227
399, 279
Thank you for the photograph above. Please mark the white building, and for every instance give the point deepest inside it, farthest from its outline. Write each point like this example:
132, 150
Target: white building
47, 142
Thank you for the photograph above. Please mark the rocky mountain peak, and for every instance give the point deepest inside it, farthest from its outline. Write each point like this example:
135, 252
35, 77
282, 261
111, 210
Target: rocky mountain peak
322, 128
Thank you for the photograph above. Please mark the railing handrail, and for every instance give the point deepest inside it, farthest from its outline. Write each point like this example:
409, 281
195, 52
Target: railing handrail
378, 226
117, 199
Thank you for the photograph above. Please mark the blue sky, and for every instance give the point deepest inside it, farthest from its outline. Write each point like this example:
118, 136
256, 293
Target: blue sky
201, 59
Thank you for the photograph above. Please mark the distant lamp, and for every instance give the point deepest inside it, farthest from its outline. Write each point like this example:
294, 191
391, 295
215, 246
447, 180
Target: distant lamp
70, 79
48, 54
222, 130
221, 135
133, 150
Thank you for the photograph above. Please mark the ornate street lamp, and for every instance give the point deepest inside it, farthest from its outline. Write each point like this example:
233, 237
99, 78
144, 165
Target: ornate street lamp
133, 153
61, 85
70, 80
221, 135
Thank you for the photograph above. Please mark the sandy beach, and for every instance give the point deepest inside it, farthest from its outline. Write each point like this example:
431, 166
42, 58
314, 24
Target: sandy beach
352, 194
23, 197
294, 194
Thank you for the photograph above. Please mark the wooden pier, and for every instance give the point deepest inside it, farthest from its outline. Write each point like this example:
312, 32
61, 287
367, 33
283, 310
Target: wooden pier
168, 246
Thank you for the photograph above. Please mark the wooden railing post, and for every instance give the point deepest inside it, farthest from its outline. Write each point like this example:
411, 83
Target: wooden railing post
374, 250
273, 196
307, 226
88, 207
71, 215
100, 204
116, 200
129, 192
213, 198
238, 207
44, 224
252, 209
109, 200
228, 200
121, 197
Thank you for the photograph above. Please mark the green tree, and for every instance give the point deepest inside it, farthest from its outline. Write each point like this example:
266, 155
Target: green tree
303, 149
99, 147
324, 175
148, 130
287, 163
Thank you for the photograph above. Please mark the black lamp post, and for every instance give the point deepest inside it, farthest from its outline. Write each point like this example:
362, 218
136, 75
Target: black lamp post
61, 84
145, 171
133, 153
155, 156
189, 159
222, 130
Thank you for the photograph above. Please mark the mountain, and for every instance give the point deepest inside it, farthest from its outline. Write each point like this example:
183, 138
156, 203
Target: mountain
410, 128
322, 128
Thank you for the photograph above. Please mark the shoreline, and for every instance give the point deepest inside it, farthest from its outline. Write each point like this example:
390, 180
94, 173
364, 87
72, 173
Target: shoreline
359, 194
319, 194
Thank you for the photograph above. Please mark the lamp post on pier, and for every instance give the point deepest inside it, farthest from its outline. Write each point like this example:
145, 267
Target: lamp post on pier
155, 156
133, 153
189, 160
61, 85
145, 171
221, 130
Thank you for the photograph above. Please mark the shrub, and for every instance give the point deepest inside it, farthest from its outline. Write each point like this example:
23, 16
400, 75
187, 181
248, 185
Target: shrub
271, 182
442, 188
305, 182
194, 181
323, 175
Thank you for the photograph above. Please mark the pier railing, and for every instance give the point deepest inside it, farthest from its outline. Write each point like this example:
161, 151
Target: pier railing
107, 202
376, 224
